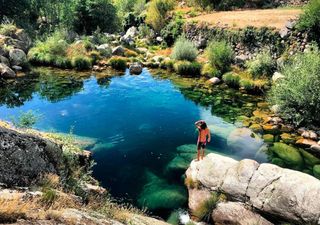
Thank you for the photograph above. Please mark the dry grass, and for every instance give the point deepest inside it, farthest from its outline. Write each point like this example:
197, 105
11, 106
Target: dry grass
164, 52
11, 210
275, 18
190, 183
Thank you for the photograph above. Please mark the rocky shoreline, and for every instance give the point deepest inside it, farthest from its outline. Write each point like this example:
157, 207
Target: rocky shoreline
35, 173
255, 193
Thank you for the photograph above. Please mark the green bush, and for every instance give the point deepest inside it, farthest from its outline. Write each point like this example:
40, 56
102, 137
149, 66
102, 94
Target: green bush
262, 65
81, 62
231, 79
188, 68
93, 14
7, 29
298, 94
220, 55
184, 50
172, 30
118, 63
310, 19
157, 12
208, 70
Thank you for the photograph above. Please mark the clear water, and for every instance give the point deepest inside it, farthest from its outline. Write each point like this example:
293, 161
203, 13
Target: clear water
137, 123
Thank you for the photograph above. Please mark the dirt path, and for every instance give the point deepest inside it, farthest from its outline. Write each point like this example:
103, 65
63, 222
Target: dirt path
257, 18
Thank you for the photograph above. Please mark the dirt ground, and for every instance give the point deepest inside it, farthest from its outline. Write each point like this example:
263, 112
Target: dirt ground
258, 18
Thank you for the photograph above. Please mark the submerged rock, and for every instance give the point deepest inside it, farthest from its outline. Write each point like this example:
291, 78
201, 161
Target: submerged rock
244, 142
281, 193
158, 194
290, 155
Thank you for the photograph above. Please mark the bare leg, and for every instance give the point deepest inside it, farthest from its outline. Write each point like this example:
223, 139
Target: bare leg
198, 157
202, 153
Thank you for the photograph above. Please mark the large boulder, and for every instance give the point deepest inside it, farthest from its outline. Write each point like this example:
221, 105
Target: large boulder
282, 193
135, 68
17, 57
24, 158
6, 72
4, 60
236, 213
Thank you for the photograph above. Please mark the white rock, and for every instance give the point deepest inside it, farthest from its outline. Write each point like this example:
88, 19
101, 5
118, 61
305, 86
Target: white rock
277, 76
17, 57
6, 72
281, 193
236, 213
214, 80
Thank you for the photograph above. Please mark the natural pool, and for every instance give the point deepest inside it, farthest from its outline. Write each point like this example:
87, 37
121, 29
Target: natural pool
140, 128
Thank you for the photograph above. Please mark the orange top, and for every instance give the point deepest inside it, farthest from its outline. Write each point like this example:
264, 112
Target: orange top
203, 135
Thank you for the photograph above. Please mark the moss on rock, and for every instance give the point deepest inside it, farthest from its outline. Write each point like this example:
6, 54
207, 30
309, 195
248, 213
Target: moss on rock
316, 171
290, 155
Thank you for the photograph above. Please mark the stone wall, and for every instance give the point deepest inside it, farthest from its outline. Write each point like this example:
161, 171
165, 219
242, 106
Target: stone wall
248, 42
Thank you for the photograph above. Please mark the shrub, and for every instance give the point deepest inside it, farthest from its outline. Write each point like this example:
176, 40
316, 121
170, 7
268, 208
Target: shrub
184, 50
298, 94
118, 63
208, 70
220, 55
157, 12
7, 29
167, 64
262, 65
81, 62
93, 14
310, 19
49, 196
172, 30
231, 79
188, 68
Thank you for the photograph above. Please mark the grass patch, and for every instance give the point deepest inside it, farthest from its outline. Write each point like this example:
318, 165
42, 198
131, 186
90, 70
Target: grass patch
232, 79
187, 68
204, 211
118, 63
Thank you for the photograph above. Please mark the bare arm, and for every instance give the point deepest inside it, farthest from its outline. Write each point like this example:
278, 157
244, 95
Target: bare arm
209, 135
198, 123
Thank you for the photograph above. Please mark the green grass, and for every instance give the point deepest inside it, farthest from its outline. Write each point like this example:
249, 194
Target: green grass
232, 79
118, 63
187, 68
204, 211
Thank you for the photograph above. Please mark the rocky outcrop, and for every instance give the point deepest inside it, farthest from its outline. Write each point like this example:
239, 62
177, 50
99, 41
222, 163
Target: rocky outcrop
14, 47
6, 71
268, 189
24, 158
135, 68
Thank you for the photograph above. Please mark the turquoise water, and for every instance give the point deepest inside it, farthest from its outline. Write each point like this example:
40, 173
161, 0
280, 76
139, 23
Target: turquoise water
142, 129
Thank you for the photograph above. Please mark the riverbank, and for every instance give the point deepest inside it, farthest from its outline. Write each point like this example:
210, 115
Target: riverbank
49, 181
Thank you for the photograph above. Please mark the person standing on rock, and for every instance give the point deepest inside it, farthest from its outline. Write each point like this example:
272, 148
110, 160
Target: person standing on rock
203, 137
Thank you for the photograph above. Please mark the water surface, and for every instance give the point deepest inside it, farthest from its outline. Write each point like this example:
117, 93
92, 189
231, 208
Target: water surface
142, 127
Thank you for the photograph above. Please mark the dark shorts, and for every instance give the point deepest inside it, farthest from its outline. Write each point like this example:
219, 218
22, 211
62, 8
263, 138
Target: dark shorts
201, 145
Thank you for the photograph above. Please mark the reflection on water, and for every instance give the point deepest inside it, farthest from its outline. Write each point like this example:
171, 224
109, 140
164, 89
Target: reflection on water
139, 128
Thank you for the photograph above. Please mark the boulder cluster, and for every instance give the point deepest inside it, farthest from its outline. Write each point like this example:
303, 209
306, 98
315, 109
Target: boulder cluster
256, 193
14, 46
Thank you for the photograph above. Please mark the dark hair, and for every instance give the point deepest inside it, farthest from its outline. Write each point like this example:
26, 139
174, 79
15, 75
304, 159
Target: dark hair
203, 126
